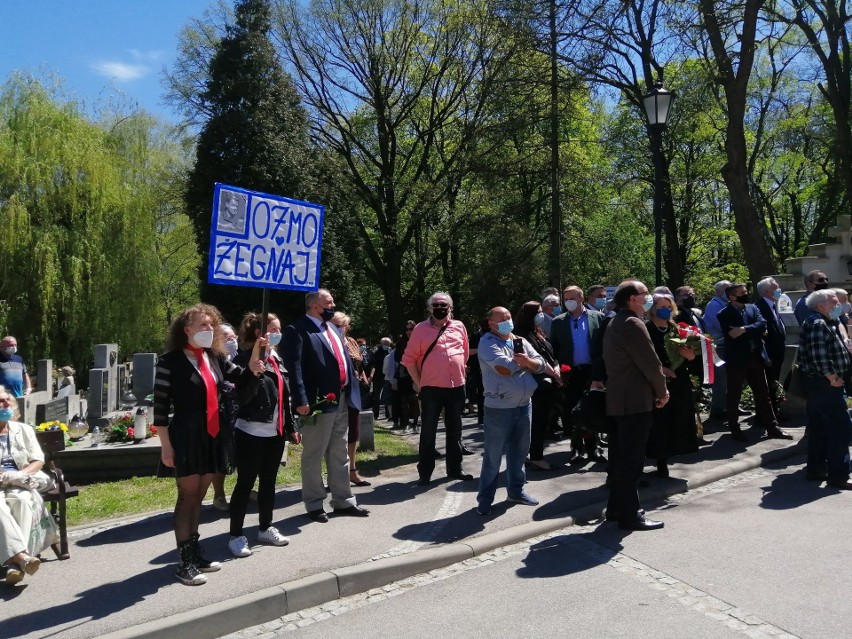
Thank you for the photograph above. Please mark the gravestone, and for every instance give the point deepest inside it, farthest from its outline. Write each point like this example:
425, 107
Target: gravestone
366, 440
106, 358
99, 392
27, 405
144, 370
54, 410
44, 369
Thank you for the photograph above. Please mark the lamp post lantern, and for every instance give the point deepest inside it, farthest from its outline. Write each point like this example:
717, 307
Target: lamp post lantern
657, 105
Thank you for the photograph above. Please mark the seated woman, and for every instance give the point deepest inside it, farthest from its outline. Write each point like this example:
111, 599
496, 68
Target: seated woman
20, 459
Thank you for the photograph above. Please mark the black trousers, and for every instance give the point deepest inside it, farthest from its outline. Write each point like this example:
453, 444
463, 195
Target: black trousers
626, 461
255, 457
432, 400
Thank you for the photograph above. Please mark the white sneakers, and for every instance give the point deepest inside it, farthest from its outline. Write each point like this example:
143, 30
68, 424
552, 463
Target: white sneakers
272, 536
239, 546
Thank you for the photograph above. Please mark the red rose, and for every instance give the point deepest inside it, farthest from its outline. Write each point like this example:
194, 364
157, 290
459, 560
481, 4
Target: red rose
564, 369
130, 432
331, 397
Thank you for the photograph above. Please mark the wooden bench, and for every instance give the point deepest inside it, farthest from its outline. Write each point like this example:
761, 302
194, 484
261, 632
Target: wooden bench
51, 442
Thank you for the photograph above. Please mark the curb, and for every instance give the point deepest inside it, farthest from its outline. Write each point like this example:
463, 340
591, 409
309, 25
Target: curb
232, 615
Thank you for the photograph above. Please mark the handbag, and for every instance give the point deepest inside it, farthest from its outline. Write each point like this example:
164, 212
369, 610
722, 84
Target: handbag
590, 412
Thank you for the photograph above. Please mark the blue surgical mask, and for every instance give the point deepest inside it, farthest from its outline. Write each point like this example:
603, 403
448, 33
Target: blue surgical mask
274, 339
557, 310
664, 313
836, 312
539, 318
600, 303
505, 327
777, 293
6, 414
232, 347
649, 302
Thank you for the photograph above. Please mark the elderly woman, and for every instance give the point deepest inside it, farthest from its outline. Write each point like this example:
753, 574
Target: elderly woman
673, 432
344, 322
187, 382
20, 459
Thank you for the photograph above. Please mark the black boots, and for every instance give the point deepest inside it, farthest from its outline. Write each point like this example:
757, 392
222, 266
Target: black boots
198, 558
187, 572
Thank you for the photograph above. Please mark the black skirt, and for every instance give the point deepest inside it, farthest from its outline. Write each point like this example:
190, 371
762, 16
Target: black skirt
196, 452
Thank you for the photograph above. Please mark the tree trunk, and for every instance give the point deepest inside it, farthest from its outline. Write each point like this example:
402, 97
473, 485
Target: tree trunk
553, 262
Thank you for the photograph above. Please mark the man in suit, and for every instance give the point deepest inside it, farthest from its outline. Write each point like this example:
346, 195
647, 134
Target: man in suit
320, 367
814, 281
635, 385
746, 360
775, 338
574, 336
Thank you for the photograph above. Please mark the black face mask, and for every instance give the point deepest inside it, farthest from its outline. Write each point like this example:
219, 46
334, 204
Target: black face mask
440, 312
688, 302
327, 314
820, 286
742, 299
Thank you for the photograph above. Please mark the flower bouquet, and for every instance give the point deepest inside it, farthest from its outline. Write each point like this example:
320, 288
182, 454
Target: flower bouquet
701, 344
122, 429
55, 426
330, 405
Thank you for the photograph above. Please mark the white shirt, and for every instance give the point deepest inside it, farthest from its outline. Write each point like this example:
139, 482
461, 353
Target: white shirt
331, 334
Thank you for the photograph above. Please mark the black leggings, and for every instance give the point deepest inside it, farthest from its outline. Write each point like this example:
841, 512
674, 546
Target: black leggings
255, 457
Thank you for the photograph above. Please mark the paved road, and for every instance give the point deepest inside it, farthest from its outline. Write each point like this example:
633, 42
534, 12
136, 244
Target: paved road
762, 554
121, 573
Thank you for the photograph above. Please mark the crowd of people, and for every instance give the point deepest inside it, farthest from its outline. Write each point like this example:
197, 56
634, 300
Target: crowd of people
602, 371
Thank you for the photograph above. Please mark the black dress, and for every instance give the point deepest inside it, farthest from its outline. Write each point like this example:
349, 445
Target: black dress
674, 431
178, 386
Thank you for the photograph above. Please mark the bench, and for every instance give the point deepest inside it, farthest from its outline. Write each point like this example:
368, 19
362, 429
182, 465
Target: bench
51, 442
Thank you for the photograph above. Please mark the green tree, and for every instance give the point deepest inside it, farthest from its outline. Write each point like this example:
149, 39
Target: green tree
254, 136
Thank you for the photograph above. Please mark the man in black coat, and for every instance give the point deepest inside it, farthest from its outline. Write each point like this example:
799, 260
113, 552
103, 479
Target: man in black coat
746, 360
775, 338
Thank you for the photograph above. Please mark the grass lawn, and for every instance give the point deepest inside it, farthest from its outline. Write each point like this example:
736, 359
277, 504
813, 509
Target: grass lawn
139, 495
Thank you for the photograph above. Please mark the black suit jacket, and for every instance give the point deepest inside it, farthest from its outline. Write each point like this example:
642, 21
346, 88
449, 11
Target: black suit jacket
776, 335
313, 366
738, 350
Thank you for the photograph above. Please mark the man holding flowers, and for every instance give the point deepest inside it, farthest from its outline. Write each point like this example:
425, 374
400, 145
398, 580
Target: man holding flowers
323, 378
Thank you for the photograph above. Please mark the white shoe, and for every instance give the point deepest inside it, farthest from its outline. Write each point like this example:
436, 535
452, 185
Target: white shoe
239, 547
221, 504
272, 536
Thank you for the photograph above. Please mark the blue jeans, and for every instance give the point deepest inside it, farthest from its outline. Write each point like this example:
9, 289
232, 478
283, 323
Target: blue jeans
507, 430
829, 429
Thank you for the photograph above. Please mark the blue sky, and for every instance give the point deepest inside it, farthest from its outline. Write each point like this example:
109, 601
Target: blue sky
102, 49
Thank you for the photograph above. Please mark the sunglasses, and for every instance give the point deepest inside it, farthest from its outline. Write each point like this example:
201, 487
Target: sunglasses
822, 279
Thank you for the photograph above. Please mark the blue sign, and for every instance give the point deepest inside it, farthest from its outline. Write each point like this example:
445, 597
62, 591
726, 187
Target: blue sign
263, 240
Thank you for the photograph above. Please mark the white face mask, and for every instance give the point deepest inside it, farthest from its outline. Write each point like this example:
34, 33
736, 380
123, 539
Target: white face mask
202, 339
570, 305
11, 350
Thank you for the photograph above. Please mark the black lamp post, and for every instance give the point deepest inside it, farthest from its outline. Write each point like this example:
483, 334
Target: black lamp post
657, 105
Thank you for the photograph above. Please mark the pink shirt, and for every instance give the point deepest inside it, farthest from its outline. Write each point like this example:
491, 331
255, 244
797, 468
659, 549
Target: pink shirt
444, 367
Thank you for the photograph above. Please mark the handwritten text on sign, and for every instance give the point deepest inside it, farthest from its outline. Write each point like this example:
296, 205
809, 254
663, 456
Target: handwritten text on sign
264, 240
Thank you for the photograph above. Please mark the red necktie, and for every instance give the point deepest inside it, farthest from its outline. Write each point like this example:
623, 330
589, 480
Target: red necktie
280, 380
212, 393
341, 366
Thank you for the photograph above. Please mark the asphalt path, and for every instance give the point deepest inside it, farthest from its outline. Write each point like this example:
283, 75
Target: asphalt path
122, 573
761, 554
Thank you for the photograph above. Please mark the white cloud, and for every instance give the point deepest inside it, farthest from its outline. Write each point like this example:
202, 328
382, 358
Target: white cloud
121, 71
140, 65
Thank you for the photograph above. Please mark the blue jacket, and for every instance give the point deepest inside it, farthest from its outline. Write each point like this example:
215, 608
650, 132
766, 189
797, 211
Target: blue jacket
506, 391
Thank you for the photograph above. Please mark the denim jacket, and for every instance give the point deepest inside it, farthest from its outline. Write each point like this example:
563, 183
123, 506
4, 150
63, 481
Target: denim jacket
506, 391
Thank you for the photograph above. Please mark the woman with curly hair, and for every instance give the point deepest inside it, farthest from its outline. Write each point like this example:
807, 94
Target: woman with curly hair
187, 382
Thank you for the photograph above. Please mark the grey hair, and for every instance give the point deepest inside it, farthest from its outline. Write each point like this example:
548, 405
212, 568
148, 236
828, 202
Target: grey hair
765, 285
313, 296
432, 299
721, 286
841, 291
819, 297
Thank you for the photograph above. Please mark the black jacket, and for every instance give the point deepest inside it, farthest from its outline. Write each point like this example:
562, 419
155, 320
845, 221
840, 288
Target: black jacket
260, 405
